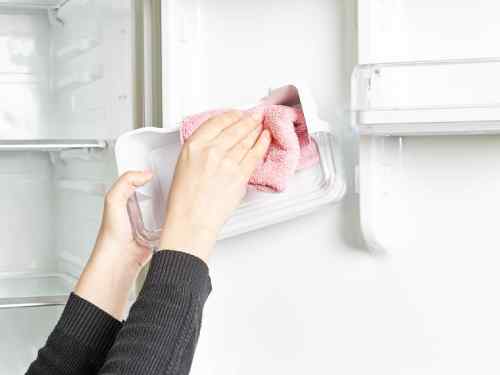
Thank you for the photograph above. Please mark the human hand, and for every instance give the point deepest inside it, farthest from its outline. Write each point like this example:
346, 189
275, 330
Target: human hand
210, 180
117, 258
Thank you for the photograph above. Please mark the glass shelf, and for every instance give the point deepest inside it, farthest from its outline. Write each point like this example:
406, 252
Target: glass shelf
30, 290
50, 145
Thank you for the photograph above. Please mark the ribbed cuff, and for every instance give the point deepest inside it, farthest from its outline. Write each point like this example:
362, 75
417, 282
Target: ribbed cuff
88, 324
179, 268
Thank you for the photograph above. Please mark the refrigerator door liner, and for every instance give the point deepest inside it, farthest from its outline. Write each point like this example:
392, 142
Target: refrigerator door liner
157, 150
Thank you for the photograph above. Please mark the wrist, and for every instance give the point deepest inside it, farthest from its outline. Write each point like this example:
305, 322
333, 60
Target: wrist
122, 256
106, 282
195, 241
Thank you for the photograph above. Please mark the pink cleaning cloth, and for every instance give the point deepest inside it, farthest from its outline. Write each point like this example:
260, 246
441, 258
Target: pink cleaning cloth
291, 147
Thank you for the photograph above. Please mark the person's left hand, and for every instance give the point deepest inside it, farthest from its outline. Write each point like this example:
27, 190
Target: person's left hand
117, 258
115, 234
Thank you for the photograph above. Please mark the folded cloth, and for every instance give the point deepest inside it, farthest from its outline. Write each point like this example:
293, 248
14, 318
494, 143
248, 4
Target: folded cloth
291, 147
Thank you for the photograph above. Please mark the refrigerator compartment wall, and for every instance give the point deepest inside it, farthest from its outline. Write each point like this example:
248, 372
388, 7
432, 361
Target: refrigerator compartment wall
158, 149
76, 47
419, 98
24, 332
76, 80
50, 219
67, 70
29, 272
24, 72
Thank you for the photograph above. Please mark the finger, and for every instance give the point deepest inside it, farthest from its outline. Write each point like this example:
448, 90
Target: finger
256, 154
235, 133
125, 186
239, 151
215, 125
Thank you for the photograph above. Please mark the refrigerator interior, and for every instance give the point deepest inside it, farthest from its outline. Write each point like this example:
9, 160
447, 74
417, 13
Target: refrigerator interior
65, 71
66, 83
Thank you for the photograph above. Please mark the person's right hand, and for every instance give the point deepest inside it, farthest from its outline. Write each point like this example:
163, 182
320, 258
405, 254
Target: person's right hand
210, 180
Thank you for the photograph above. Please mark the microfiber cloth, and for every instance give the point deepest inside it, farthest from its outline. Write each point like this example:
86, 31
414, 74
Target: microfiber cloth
291, 147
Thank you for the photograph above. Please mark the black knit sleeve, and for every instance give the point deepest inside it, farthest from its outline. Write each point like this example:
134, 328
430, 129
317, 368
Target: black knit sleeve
80, 341
161, 332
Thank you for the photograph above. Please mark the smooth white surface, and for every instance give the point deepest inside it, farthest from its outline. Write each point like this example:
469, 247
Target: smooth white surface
408, 30
224, 52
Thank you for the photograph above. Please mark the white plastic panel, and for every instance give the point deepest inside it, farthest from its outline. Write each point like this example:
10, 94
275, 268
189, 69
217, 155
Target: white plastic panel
409, 30
441, 187
229, 53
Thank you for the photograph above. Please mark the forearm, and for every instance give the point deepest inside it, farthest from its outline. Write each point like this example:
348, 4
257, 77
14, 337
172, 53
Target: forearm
79, 343
162, 329
108, 277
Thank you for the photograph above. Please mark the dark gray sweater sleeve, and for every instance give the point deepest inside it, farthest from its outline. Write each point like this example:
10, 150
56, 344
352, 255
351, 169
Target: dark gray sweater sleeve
159, 336
161, 332
79, 343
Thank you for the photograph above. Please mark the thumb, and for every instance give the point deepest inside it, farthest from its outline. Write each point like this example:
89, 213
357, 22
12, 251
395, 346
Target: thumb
125, 186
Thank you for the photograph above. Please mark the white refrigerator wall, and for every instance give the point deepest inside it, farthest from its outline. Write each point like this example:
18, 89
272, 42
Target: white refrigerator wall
306, 296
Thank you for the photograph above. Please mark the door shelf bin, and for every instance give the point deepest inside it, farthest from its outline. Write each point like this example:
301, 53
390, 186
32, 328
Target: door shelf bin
157, 150
426, 98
